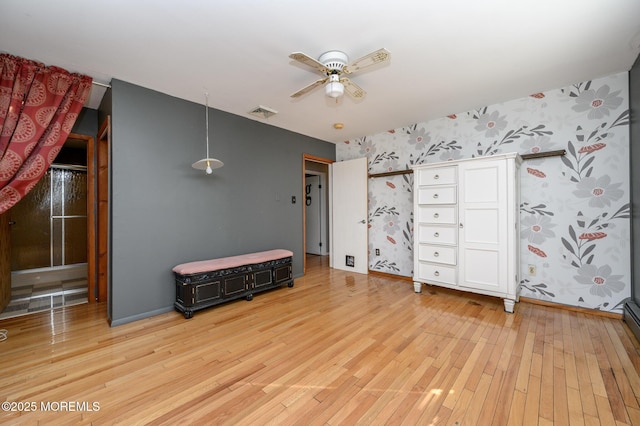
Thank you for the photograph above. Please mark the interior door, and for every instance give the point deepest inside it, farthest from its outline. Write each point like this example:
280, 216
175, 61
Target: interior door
482, 233
349, 216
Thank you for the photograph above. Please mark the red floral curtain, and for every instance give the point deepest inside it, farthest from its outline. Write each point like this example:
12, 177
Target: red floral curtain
38, 107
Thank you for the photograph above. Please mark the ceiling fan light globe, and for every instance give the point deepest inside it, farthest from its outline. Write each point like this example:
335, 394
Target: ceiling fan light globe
334, 89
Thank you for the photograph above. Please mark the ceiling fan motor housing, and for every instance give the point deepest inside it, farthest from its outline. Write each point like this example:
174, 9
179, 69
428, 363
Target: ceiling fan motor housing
334, 60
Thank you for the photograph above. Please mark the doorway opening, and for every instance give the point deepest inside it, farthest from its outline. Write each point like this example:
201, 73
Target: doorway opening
50, 233
317, 213
315, 185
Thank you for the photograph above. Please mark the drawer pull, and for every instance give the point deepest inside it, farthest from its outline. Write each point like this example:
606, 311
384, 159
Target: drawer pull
436, 273
436, 215
436, 177
436, 254
435, 195
436, 234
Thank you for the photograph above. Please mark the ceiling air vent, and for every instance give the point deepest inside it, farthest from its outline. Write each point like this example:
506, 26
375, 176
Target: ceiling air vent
262, 112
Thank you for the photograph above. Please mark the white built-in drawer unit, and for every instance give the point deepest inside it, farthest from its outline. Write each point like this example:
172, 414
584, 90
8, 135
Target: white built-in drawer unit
467, 231
436, 211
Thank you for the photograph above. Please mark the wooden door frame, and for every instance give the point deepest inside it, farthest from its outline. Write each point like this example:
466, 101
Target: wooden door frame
91, 202
5, 260
315, 159
101, 243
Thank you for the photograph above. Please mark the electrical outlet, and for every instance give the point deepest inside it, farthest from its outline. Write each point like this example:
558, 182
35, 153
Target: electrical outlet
377, 252
532, 270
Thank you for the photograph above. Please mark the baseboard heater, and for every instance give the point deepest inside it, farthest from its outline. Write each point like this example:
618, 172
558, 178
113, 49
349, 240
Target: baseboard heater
632, 317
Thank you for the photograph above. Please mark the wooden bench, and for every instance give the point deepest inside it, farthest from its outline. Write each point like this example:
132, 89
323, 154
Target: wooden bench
207, 283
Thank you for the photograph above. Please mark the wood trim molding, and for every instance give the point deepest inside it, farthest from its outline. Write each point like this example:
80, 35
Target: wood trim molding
5, 260
316, 159
102, 243
392, 276
571, 308
522, 299
91, 210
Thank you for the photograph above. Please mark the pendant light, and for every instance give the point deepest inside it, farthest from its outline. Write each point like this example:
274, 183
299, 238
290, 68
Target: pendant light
207, 164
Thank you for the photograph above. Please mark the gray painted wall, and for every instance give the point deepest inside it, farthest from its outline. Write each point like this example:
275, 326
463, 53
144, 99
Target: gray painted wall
165, 213
87, 123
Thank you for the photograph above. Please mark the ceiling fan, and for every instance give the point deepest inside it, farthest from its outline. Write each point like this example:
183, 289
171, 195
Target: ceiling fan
334, 66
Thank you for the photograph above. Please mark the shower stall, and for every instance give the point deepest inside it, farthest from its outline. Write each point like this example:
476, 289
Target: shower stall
49, 227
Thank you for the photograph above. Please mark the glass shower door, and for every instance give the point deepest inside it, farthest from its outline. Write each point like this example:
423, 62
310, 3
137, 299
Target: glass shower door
50, 224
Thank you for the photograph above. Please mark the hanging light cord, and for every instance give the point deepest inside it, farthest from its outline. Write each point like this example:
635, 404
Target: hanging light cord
207, 164
206, 112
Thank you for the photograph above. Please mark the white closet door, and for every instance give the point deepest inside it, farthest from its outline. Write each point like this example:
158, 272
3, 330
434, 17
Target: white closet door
482, 228
349, 240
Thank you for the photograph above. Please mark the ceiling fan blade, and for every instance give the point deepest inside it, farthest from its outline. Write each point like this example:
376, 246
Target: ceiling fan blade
309, 61
352, 89
380, 55
309, 88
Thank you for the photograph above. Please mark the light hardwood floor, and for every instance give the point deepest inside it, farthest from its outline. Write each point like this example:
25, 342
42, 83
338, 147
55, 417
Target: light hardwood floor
336, 349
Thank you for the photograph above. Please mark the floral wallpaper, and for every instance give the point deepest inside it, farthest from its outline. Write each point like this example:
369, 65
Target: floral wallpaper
574, 211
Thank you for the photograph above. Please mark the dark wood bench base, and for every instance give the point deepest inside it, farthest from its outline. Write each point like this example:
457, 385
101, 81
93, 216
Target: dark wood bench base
205, 289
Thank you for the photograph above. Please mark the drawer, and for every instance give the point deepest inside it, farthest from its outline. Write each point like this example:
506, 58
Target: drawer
439, 176
437, 195
442, 273
437, 214
437, 254
434, 234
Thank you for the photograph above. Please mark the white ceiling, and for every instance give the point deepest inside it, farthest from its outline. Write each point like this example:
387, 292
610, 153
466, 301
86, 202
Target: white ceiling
446, 56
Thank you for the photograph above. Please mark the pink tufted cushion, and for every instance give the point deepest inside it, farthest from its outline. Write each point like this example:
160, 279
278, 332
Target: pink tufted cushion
230, 262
